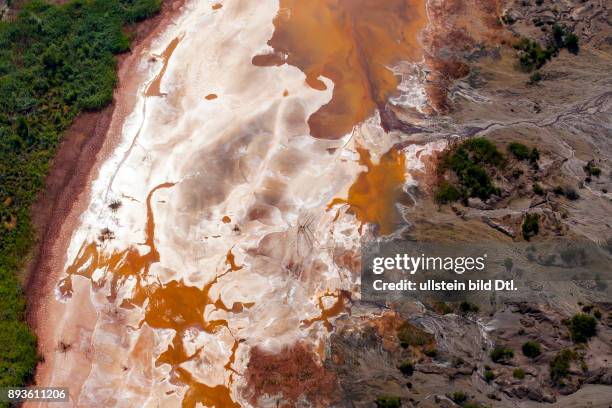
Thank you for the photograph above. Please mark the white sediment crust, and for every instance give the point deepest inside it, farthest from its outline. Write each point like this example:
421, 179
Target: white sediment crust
247, 155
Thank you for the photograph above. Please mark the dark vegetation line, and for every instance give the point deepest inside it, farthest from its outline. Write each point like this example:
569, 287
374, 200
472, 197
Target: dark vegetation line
55, 62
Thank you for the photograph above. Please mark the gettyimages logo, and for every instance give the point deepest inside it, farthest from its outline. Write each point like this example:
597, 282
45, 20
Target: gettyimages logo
412, 264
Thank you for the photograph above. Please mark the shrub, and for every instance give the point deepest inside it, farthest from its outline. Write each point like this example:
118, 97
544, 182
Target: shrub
407, 368
519, 150
537, 189
388, 401
571, 194
592, 170
534, 156
489, 376
558, 190
467, 307
535, 77
410, 335
447, 193
530, 226
459, 397
501, 354
571, 43
582, 327
560, 364
467, 162
531, 349
518, 373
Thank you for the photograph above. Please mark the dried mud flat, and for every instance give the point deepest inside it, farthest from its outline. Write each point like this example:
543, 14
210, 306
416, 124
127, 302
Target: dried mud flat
214, 239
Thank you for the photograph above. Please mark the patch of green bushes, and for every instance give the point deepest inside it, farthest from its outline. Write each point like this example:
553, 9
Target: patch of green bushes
406, 368
582, 327
531, 349
501, 354
469, 161
466, 307
531, 226
592, 170
459, 397
388, 401
410, 335
518, 373
560, 365
537, 189
55, 62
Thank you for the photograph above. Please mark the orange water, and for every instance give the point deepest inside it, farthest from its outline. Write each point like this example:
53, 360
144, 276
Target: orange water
171, 306
154, 87
373, 196
339, 306
351, 42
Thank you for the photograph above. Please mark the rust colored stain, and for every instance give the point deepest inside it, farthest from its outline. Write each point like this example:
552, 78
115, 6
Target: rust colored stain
295, 372
210, 97
154, 87
373, 196
171, 306
340, 306
217, 6
351, 42
230, 259
226, 219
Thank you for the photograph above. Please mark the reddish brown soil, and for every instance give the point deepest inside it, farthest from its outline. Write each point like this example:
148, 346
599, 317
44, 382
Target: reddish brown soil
85, 144
293, 372
456, 26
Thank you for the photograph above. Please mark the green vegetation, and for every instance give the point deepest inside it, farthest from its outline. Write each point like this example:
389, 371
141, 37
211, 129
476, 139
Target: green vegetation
582, 327
531, 349
560, 364
459, 397
467, 307
535, 77
468, 162
533, 56
564, 38
519, 150
522, 152
518, 373
571, 194
537, 188
407, 368
55, 62
489, 376
531, 226
501, 354
447, 193
388, 401
592, 170
410, 335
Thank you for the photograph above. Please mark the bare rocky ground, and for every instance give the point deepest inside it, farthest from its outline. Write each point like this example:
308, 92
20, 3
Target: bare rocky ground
567, 115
